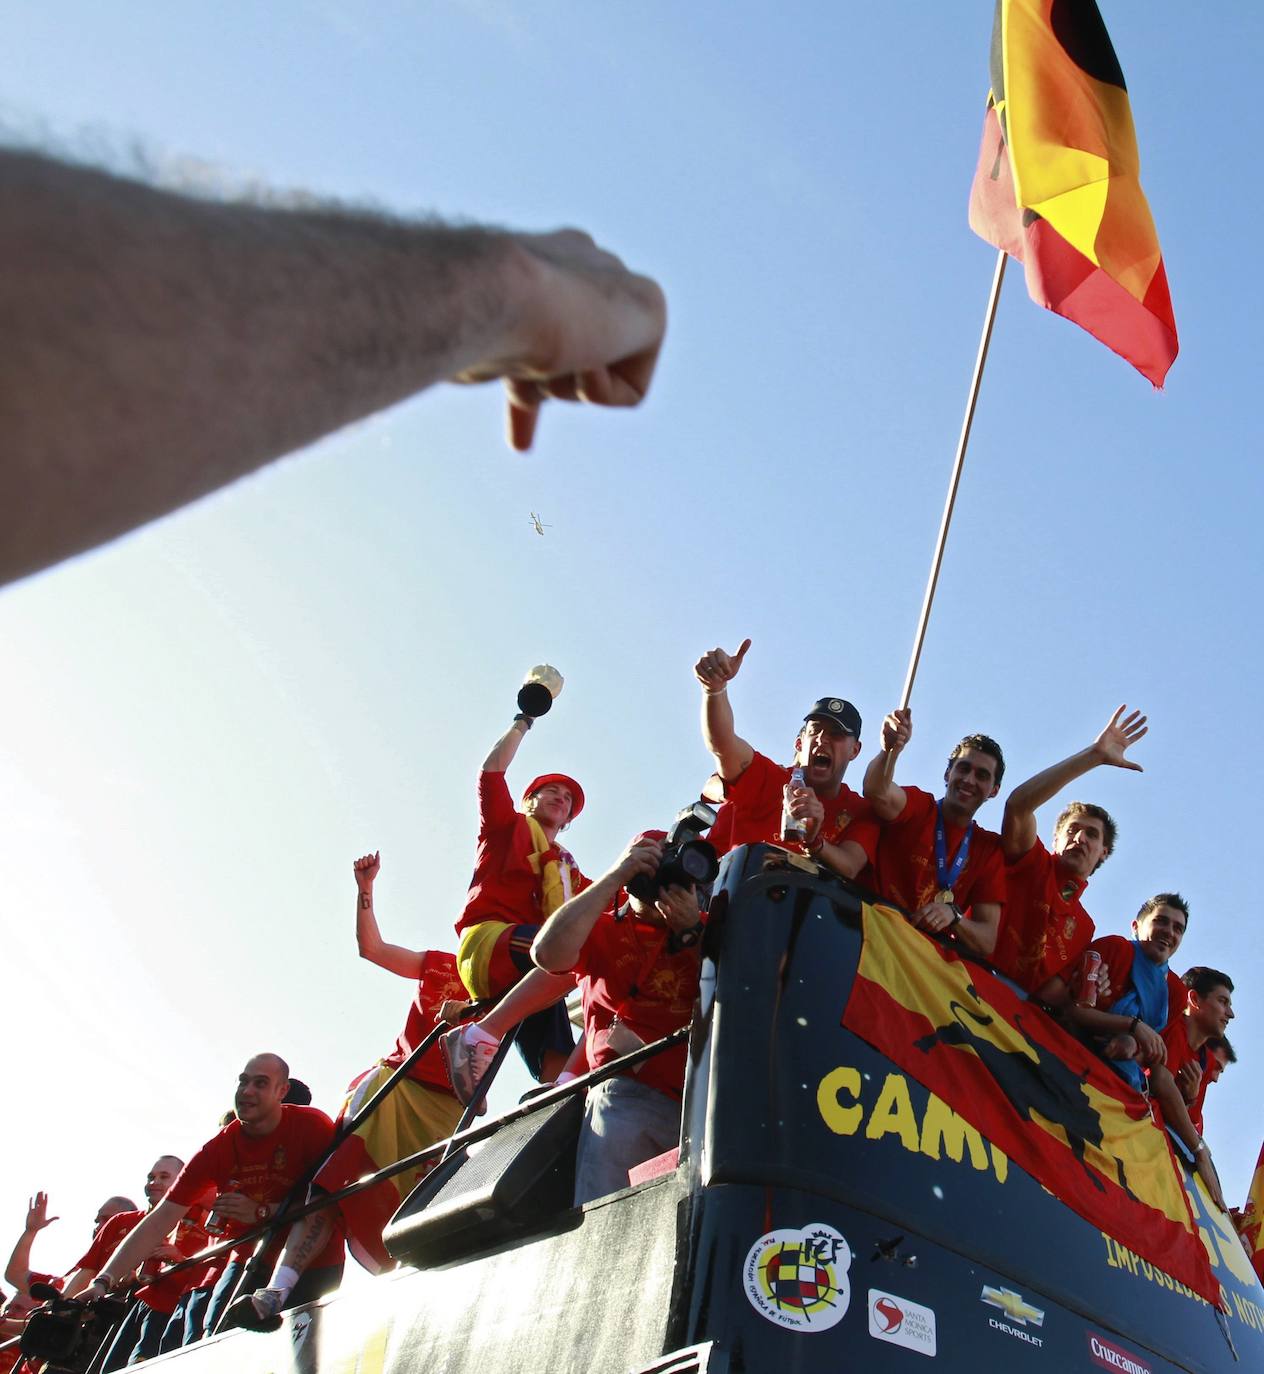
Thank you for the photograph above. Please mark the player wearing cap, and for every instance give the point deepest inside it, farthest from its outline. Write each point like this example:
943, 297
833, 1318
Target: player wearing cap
836, 820
521, 876
947, 872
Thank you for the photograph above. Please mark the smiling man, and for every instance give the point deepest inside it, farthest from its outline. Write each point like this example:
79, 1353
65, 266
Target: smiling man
756, 791
1195, 1038
934, 860
521, 876
251, 1164
1045, 929
1130, 1031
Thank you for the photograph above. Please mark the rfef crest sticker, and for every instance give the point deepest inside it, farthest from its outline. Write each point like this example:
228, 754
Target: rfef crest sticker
798, 1279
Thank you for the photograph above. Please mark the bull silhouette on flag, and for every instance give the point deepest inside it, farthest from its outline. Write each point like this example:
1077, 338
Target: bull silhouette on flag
1004, 1066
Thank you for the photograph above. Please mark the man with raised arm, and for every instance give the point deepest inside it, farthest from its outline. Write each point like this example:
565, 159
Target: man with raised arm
638, 961
1193, 1032
253, 1163
521, 876
136, 302
1045, 929
757, 791
934, 859
1147, 994
18, 1271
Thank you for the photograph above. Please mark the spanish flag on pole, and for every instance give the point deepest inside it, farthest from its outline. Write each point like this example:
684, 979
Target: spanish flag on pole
1058, 187
1251, 1222
1046, 1100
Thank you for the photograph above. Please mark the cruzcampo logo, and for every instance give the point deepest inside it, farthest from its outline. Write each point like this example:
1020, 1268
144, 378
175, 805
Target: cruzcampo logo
798, 1279
1014, 1305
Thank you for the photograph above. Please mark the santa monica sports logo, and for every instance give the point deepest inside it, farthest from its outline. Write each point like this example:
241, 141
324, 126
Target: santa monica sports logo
798, 1279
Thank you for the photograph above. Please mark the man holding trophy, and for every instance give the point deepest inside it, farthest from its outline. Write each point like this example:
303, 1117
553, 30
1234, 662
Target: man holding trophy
521, 876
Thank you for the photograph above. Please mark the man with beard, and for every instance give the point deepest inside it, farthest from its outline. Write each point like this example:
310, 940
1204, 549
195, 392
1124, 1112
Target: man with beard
253, 1163
945, 870
756, 791
1045, 929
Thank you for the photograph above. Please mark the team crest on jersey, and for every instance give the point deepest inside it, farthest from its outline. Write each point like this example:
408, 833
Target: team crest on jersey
1068, 928
798, 1279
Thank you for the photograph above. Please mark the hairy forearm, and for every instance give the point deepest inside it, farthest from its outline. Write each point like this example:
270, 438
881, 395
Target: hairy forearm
505, 750
186, 342
557, 947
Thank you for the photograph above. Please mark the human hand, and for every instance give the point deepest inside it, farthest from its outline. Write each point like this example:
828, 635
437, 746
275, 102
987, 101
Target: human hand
37, 1213
366, 869
935, 916
642, 855
1104, 989
1188, 1077
235, 1207
678, 906
1207, 1172
581, 327
716, 669
1110, 745
1150, 1047
897, 730
804, 805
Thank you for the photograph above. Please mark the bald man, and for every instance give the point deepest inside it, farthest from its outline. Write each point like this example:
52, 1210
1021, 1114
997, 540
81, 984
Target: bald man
251, 1164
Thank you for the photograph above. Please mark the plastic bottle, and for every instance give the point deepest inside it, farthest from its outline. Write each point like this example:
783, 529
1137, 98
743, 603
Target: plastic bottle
791, 827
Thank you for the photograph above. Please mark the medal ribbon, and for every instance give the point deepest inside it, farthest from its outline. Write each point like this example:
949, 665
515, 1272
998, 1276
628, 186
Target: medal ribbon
949, 873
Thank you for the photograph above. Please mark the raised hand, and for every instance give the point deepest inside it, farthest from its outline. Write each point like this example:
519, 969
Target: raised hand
716, 669
897, 730
37, 1213
366, 869
1115, 739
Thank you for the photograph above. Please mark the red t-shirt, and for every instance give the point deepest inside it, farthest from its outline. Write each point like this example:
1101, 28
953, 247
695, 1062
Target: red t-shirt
107, 1239
629, 972
1117, 954
190, 1236
263, 1168
753, 803
906, 870
439, 982
1179, 1053
1044, 929
504, 886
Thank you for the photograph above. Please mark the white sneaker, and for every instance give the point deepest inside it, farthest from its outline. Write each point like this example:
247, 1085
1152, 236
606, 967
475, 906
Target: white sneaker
467, 1059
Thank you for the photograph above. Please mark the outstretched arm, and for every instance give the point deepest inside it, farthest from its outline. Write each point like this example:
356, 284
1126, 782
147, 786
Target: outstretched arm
1018, 831
406, 962
136, 1247
557, 947
1163, 1087
136, 302
503, 752
17, 1272
881, 791
714, 671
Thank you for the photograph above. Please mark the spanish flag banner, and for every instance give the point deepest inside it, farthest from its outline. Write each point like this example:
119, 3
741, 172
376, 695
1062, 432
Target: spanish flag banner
1042, 1097
1057, 185
1251, 1221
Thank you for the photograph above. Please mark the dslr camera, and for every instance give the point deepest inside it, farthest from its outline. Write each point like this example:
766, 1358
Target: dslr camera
687, 860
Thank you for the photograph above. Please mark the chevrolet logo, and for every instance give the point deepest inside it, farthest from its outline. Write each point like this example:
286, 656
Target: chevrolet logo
1013, 1305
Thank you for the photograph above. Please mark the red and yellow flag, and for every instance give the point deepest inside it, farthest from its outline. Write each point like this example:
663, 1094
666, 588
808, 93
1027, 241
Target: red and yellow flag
1042, 1097
1251, 1221
1058, 181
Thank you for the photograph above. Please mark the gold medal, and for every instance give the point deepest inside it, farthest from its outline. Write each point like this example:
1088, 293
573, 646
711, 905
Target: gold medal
944, 895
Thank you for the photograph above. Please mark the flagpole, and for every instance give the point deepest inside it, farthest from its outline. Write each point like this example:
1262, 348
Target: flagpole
955, 480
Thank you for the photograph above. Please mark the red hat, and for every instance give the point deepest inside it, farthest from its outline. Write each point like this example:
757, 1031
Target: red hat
576, 791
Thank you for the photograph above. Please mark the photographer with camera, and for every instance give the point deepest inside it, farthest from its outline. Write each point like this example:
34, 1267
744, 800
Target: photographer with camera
633, 939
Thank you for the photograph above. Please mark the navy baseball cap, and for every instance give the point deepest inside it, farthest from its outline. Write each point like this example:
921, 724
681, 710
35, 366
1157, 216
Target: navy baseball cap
841, 713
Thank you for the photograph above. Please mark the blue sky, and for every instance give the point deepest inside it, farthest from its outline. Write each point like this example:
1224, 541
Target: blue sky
209, 720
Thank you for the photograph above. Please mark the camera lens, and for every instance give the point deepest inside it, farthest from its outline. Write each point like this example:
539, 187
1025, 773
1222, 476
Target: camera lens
698, 860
